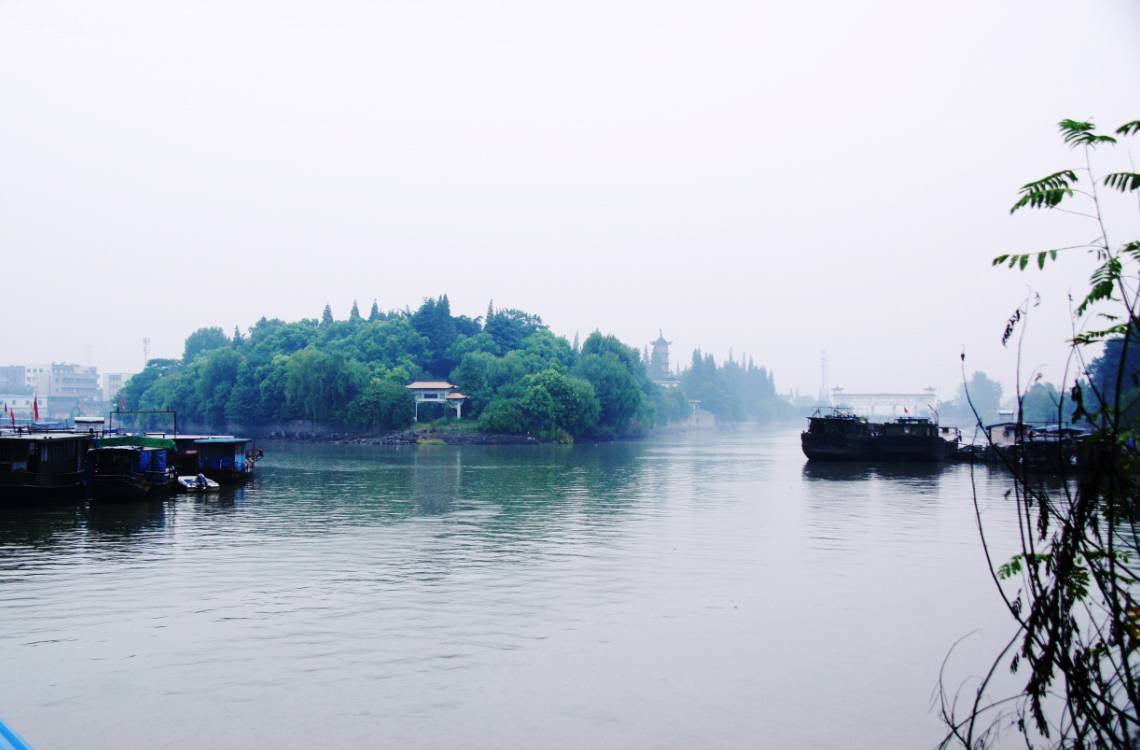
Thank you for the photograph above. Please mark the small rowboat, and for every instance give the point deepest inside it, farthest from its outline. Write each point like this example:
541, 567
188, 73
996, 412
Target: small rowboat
199, 483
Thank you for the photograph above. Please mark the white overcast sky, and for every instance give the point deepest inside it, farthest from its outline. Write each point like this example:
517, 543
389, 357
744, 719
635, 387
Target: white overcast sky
774, 177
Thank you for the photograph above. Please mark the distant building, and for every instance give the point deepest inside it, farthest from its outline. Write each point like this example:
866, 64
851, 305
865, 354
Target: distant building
921, 403
658, 365
73, 388
37, 377
61, 387
12, 379
20, 403
113, 382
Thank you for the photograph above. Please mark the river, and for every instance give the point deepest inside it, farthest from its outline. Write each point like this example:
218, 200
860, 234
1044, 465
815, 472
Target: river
703, 589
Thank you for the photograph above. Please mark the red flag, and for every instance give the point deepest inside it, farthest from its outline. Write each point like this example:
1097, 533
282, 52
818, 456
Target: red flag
12, 416
36, 408
122, 403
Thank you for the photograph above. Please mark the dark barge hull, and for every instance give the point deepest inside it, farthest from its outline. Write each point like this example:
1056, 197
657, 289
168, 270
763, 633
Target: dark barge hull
875, 448
228, 476
120, 488
42, 492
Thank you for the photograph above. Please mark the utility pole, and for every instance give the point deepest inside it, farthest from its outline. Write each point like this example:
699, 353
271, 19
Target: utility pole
824, 398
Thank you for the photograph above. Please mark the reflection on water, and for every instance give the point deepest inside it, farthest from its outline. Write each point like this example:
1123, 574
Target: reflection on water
922, 473
700, 590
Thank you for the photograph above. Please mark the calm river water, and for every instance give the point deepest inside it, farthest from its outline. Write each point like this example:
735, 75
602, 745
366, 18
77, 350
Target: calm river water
693, 590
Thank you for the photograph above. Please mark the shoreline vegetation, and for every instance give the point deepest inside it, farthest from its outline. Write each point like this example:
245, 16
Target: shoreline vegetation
523, 383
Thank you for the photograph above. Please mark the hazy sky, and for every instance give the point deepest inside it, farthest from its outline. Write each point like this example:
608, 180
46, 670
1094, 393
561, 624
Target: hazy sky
779, 178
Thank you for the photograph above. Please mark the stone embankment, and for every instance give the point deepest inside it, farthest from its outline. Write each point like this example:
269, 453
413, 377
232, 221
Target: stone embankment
405, 437
409, 437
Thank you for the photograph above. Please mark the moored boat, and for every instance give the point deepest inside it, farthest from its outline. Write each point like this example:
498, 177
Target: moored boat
42, 465
222, 458
198, 483
844, 436
128, 467
228, 460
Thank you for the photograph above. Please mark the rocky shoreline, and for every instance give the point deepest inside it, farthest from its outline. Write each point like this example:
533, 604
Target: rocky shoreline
410, 437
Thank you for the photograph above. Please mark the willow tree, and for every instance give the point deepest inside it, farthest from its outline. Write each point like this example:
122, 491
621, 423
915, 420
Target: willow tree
1071, 589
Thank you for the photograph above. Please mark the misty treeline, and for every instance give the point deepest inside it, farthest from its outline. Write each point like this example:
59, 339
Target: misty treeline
983, 396
735, 391
519, 377
1042, 401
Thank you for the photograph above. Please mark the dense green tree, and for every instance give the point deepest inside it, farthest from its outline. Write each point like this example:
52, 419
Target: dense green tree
217, 373
243, 400
318, 385
505, 416
374, 313
554, 400
1041, 404
272, 402
984, 394
133, 390
354, 313
327, 316
433, 321
203, 340
617, 389
1115, 362
508, 327
477, 377
466, 327
383, 405
393, 342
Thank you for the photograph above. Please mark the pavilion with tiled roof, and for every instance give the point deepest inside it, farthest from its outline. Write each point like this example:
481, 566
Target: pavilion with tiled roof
437, 392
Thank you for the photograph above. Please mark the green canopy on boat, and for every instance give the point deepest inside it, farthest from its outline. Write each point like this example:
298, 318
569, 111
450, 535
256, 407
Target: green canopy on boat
133, 441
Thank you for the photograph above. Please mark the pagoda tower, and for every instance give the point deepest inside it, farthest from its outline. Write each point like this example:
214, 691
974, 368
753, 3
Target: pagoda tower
659, 359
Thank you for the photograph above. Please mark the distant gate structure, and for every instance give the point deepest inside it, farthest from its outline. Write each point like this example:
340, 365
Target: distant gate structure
436, 392
924, 403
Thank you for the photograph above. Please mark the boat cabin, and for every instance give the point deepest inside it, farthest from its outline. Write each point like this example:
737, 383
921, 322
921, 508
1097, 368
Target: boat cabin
1005, 433
917, 426
129, 461
185, 457
226, 459
838, 423
42, 465
120, 460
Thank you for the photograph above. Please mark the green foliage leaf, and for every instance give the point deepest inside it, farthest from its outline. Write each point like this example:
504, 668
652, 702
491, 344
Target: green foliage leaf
1080, 133
1103, 280
1125, 182
1014, 566
1090, 337
1047, 192
1129, 128
1021, 260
